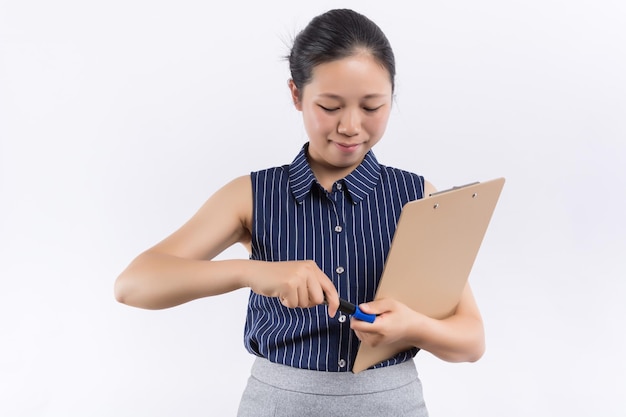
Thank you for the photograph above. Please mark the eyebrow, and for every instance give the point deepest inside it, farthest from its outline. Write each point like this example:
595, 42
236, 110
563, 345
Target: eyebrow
337, 97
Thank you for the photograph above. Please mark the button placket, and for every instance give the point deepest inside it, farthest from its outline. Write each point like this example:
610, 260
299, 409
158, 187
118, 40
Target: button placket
340, 276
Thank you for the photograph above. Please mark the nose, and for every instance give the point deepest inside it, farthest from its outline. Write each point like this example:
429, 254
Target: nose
349, 123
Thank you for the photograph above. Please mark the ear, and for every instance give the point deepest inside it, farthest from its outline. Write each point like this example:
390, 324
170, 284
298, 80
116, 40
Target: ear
295, 95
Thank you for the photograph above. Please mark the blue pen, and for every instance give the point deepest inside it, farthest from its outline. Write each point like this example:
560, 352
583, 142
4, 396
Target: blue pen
354, 311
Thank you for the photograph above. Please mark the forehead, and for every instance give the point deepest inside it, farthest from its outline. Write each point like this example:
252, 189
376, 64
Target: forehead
354, 76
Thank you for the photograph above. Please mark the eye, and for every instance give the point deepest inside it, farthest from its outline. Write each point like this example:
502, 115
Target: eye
371, 109
328, 109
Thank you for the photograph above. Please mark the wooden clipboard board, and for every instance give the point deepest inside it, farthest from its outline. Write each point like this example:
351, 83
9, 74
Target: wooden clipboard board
431, 255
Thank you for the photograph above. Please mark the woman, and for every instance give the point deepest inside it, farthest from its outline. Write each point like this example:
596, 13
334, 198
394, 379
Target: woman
317, 229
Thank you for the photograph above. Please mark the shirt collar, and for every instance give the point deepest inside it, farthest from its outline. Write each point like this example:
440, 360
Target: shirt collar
358, 184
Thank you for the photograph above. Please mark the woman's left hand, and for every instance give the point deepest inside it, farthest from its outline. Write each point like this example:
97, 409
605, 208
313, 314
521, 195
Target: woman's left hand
393, 323
457, 338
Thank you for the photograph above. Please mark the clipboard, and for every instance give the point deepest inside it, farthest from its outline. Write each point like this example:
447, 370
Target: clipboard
431, 255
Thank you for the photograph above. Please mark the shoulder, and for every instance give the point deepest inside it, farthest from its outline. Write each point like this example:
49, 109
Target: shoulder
238, 186
403, 178
417, 180
235, 199
270, 171
278, 174
429, 188
235, 196
398, 171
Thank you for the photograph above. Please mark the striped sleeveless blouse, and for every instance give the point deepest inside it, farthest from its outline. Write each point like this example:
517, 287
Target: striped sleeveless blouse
347, 232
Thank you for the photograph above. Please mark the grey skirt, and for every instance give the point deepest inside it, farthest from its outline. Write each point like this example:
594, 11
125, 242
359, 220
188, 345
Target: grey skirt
282, 391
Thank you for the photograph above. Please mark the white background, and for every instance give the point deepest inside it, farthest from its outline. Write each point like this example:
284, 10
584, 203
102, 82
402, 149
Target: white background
119, 118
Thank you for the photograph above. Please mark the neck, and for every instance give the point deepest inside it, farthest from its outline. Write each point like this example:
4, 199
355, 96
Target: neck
328, 176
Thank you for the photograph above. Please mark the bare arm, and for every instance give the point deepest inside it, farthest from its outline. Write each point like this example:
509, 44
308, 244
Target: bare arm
175, 270
181, 267
458, 338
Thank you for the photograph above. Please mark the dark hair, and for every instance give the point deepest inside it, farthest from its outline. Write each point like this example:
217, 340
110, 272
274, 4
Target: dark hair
334, 35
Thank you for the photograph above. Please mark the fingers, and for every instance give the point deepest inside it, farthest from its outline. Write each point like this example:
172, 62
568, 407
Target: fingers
331, 296
371, 334
307, 286
394, 322
289, 299
303, 295
377, 307
315, 294
368, 338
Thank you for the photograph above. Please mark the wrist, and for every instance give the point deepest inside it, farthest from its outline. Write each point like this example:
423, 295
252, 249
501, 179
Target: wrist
418, 328
246, 270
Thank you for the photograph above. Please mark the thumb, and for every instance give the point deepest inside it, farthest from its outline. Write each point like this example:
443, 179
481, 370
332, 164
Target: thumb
377, 307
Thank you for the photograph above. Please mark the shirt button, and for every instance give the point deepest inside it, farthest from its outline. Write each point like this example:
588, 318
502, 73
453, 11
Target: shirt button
339, 269
339, 186
338, 229
342, 363
342, 318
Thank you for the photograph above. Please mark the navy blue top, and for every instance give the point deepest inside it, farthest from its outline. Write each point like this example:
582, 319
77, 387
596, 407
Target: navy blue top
347, 232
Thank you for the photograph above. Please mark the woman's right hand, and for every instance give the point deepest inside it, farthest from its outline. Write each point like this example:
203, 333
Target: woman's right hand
296, 283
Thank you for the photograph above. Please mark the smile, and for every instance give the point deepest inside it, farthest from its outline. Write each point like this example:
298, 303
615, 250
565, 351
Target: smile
348, 147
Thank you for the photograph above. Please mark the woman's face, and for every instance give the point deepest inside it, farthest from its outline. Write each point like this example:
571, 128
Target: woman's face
345, 108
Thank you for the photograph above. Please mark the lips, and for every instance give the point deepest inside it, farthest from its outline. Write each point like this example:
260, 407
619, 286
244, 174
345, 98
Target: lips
348, 147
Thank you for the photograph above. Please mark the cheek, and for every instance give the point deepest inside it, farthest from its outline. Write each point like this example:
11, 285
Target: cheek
376, 125
318, 121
